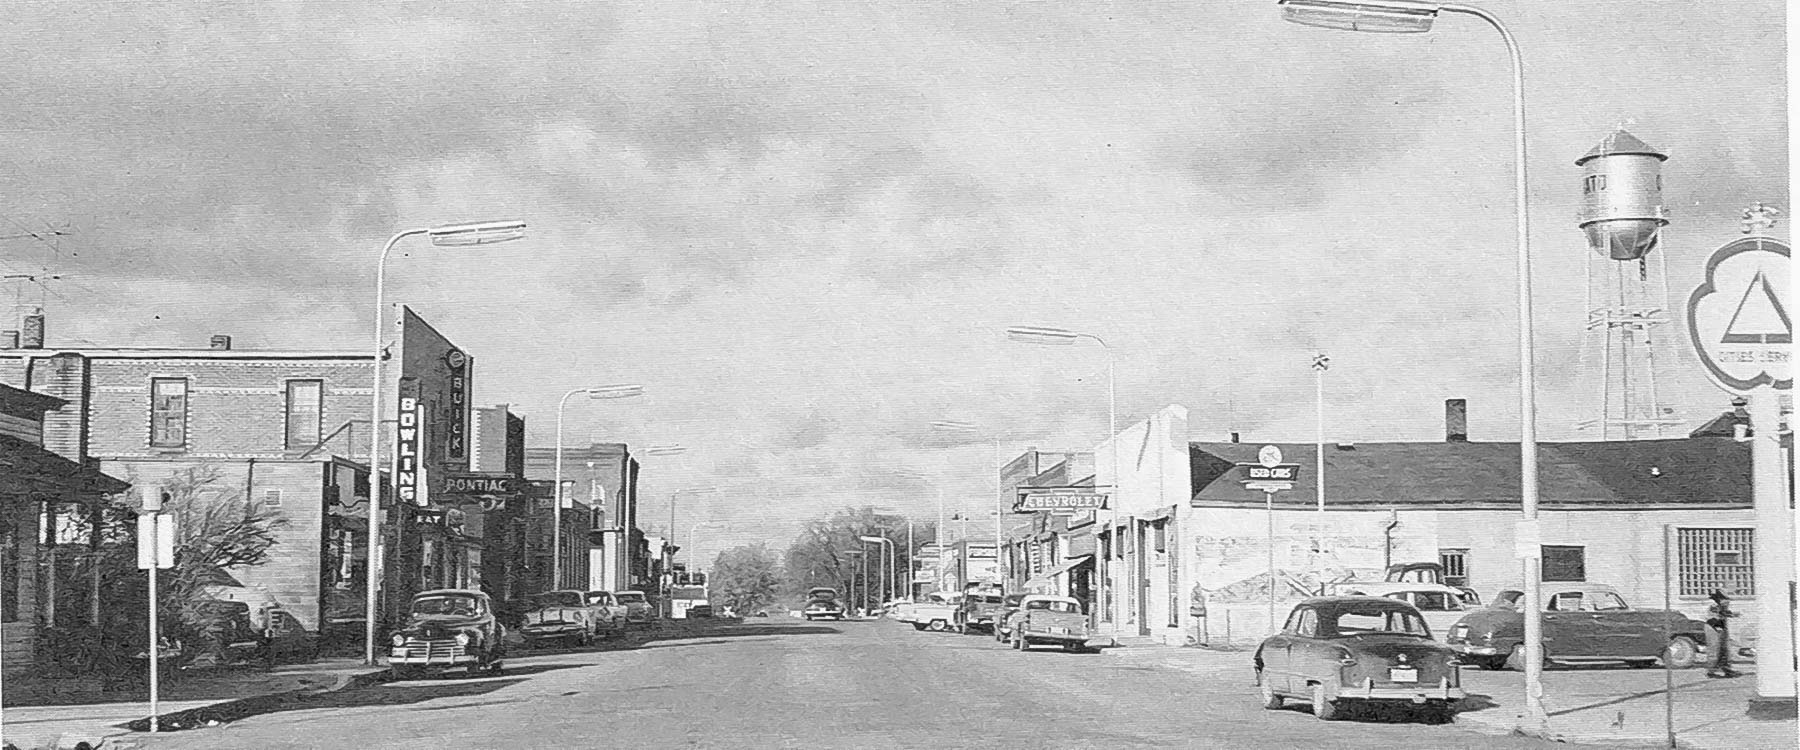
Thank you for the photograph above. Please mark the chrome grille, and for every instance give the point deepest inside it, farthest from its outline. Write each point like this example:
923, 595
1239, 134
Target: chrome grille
436, 648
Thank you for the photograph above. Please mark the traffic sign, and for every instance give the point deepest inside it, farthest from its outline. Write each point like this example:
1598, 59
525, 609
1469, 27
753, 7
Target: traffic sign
1737, 319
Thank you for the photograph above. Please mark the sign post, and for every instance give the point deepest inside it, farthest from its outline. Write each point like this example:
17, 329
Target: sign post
1269, 475
1739, 327
156, 549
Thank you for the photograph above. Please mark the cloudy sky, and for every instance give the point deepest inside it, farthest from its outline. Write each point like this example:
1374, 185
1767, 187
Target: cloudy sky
803, 226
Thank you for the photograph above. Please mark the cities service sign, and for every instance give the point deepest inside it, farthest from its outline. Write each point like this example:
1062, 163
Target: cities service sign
1737, 318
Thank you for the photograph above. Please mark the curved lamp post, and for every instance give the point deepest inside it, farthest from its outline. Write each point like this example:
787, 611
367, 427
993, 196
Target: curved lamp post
1409, 16
887, 570
1063, 337
446, 235
601, 393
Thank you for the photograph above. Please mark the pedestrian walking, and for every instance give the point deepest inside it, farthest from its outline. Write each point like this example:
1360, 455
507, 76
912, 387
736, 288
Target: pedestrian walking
1718, 635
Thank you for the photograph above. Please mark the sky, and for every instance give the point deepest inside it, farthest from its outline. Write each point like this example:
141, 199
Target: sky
804, 226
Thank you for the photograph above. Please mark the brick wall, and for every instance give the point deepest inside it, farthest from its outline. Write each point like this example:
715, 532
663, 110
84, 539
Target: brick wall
235, 407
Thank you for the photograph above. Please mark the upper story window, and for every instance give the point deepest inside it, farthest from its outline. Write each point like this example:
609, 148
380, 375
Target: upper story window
168, 412
305, 412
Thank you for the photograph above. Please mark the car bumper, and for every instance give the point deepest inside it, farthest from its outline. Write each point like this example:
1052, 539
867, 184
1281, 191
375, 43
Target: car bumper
551, 631
432, 661
1442, 691
1474, 650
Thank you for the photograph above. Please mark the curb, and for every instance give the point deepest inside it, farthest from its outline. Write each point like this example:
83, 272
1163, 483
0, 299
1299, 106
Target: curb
228, 711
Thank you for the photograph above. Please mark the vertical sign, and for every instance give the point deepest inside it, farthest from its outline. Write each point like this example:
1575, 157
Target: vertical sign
457, 431
406, 449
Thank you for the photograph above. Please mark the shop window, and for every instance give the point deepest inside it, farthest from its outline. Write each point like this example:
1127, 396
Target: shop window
305, 407
1456, 566
168, 412
1709, 560
1564, 563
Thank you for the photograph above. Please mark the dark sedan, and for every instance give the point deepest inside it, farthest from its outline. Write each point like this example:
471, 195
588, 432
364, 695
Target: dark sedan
1583, 623
448, 629
1342, 650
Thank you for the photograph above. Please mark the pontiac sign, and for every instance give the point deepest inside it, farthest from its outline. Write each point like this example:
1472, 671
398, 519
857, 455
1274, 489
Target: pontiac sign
481, 484
1037, 499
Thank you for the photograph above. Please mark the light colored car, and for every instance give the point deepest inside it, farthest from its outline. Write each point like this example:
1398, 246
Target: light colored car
1053, 620
1442, 606
638, 610
937, 613
613, 614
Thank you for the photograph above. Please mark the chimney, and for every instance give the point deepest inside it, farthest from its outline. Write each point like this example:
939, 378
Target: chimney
33, 337
9, 339
1456, 420
221, 343
1234, 437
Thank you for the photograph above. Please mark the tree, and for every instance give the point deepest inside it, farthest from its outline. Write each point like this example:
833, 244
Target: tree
817, 556
745, 578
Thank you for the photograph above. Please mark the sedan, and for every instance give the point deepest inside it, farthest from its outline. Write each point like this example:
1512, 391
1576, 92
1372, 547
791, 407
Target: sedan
1583, 623
1340, 651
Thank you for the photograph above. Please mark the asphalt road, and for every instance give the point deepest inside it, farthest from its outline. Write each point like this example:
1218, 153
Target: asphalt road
788, 684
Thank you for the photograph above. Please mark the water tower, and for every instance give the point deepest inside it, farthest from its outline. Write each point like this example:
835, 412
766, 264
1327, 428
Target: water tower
1627, 294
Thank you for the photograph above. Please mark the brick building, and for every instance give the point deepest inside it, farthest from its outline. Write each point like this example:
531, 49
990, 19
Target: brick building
604, 478
288, 430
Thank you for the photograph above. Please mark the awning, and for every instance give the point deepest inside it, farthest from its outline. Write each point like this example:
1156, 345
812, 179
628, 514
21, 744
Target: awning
1068, 565
26, 469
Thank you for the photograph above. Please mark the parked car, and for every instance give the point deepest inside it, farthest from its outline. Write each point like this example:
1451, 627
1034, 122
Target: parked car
638, 609
563, 616
612, 613
1428, 572
1056, 620
1583, 623
936, 613
1441, 606
1003, 618
1340, 650
446, 629
978, 609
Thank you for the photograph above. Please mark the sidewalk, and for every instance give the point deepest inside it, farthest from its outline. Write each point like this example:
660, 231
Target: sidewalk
62, 718
1600, 706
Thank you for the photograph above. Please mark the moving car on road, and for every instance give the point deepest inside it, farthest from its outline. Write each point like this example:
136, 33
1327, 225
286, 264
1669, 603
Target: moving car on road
1583, 623
446, 629
1056, 620
1339, 650
822, 603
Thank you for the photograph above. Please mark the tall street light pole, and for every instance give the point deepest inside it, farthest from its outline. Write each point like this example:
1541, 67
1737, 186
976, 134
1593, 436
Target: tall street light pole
447, 235
887, 574
1063, 337
1409, 16
602, 392
1320, 364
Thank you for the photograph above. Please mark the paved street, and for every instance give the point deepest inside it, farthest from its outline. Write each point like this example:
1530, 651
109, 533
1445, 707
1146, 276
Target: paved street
783, 683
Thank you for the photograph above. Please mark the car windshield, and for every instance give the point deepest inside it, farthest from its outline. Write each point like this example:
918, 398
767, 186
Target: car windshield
1435, 601
560, 599
1053, 606
630, 597
446, 605
1357, 621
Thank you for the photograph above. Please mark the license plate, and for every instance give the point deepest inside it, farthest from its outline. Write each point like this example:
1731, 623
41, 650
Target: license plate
1059, 631
1403, 675
1460, 632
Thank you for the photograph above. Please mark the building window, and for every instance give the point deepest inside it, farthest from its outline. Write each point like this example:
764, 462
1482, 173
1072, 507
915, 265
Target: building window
1456, 566
1160, 532
305, 412
1711, 560
168, 413
9, 571
1564, 564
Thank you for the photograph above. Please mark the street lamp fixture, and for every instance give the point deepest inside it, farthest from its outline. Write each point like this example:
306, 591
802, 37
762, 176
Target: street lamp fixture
1379, 16
445, 235
887, 571
1042, 335
605, 392
1410, 16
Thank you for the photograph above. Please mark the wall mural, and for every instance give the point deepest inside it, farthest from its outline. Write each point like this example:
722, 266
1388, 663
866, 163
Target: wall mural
1309, 556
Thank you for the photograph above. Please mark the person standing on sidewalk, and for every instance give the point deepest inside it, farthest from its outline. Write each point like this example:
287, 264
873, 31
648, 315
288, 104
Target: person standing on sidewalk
1718, 635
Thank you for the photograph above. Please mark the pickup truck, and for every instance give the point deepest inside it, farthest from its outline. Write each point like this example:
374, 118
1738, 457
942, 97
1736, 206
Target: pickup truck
1056, 620
978, 609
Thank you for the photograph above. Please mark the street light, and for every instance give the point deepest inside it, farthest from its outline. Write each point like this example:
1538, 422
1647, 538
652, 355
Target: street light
909, 554
852, 587
999, 501
445, 235
937, 533
1410, 16
1063, 337
604, 392
887, 569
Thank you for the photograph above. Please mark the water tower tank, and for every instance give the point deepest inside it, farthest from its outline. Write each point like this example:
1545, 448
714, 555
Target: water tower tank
1621, 196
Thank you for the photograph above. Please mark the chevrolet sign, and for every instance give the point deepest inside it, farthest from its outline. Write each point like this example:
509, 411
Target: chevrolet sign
1035, 501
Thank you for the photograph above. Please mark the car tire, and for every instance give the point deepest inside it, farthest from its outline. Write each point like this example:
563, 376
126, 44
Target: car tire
1324, 710
938, 626
1682, 652
496, 668
1270, 700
